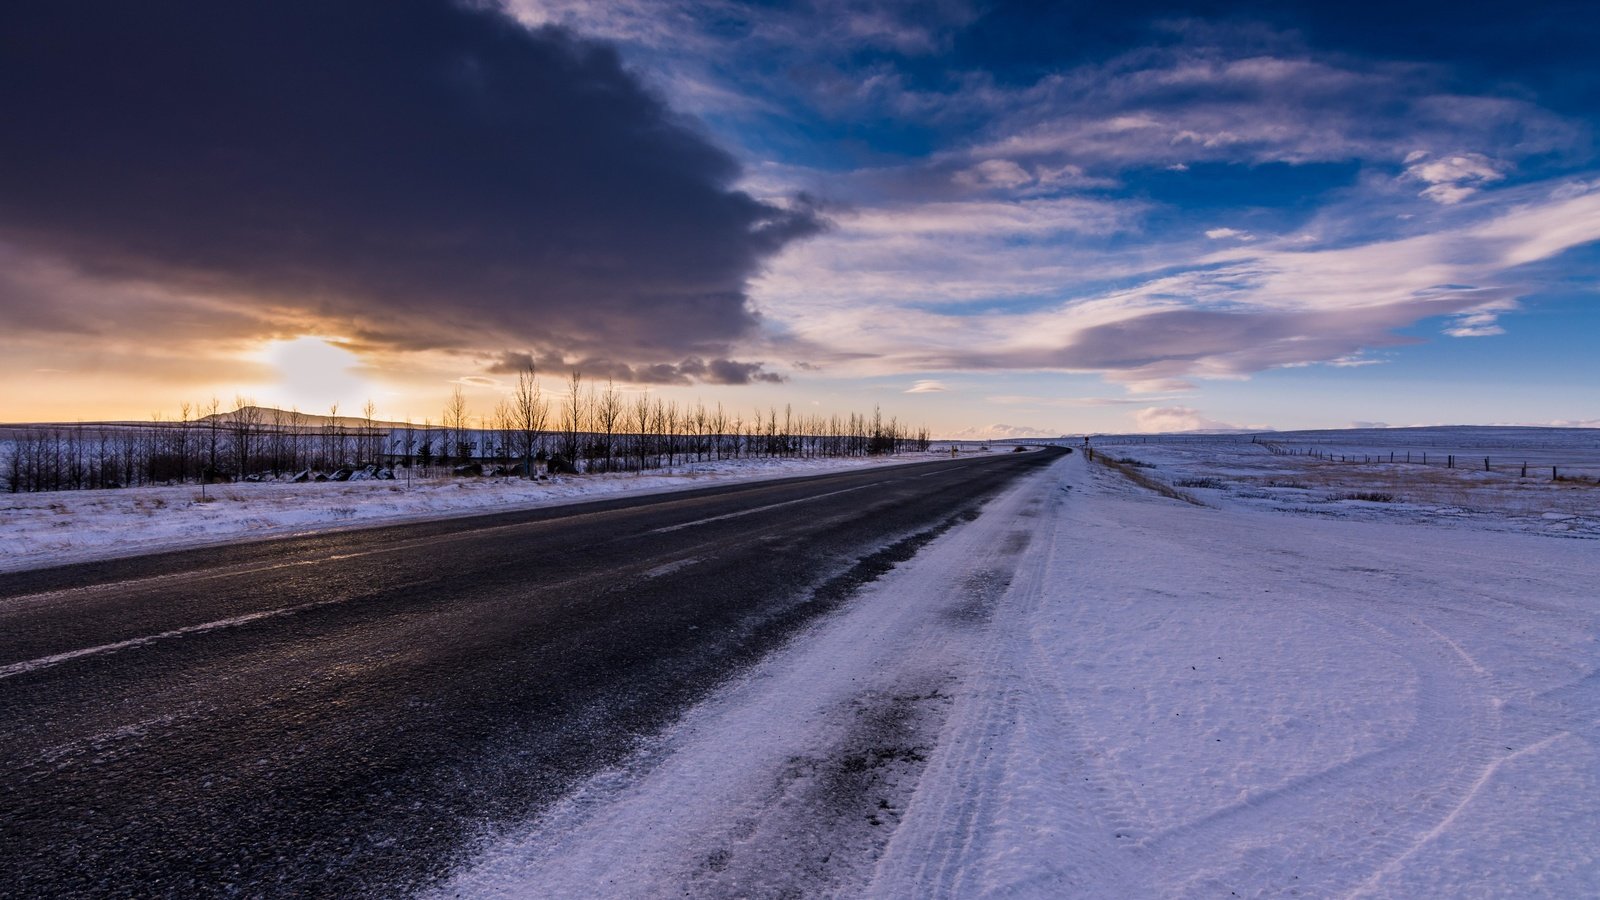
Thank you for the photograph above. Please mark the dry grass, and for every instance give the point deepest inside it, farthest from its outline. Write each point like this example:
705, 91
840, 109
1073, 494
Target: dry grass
1131, 470
1431, 485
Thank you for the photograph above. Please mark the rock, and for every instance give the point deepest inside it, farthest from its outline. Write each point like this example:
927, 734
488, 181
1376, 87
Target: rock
470, 469
384, 475
343, 473
303, 477
321, 477
560, 465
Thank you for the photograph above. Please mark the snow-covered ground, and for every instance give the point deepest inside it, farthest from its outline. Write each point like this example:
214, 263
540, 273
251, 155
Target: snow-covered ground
1094, 690
69, 526
1274, 473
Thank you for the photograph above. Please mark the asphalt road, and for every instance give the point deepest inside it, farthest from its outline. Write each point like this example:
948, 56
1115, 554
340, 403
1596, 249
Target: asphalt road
344, 714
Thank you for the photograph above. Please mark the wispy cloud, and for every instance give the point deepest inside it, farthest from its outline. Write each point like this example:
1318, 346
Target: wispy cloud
1452, 179
1227, 314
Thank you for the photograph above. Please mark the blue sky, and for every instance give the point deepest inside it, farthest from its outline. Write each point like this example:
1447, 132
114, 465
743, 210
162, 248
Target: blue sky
1053, 217
1111, 216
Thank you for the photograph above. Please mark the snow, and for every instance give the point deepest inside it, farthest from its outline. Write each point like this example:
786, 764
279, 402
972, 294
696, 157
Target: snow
1096, 690
1252, 475
58, 527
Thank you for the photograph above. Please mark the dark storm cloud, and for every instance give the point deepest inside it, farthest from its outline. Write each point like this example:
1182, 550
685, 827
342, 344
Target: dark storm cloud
425, 174
691, 370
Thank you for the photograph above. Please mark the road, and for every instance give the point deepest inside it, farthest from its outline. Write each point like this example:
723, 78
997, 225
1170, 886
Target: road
345, 714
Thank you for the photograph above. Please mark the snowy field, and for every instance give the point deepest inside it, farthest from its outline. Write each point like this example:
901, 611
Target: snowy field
1275, 473
56, 527
1095, 690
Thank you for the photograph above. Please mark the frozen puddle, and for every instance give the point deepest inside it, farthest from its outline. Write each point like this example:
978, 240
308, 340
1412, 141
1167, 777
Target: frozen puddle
1092, 691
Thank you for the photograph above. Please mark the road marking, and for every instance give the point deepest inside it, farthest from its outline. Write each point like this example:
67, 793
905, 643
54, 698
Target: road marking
748, 512
675, 565
44, 662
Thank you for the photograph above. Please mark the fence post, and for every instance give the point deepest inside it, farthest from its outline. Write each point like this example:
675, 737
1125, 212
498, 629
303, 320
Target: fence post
1553, 475
1450, 461
1486, 463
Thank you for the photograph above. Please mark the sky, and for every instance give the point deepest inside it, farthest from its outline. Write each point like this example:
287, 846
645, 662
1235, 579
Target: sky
989, 218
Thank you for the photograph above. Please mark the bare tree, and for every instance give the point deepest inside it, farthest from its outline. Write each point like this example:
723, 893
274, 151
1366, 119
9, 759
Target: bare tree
425, 446
298, 451
607, 413
640, 423
572, 417
530, 411
277, 440
243, 427
456, 418
184, 411
368, 454
332, 439
505, 429
213, 436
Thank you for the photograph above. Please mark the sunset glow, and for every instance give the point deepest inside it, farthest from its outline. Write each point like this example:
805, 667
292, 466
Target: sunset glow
314, 373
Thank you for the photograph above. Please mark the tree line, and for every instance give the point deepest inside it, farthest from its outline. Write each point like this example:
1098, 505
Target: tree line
587, 428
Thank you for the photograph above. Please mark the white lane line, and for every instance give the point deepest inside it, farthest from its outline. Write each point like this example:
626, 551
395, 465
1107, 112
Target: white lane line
942, 471
675, 565
44, 662
749, 512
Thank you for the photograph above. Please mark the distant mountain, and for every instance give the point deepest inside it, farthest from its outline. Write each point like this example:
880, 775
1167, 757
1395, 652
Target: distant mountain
269, 415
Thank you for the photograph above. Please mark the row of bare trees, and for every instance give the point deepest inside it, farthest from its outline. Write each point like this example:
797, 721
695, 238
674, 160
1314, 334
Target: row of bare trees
202, 443
590, 428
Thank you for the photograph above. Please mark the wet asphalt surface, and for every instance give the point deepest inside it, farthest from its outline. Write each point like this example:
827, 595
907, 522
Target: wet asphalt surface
374, 701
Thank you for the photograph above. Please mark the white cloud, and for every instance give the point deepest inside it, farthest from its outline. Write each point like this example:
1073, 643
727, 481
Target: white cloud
1452, 179
926, 387
1448, 194
1462, 167
996, 218
1219, 234
1481, 321
1028, 400
994, 173
878, 300
1176, 418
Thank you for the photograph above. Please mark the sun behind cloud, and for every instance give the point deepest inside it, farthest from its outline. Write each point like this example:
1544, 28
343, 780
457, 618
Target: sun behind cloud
313, 373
